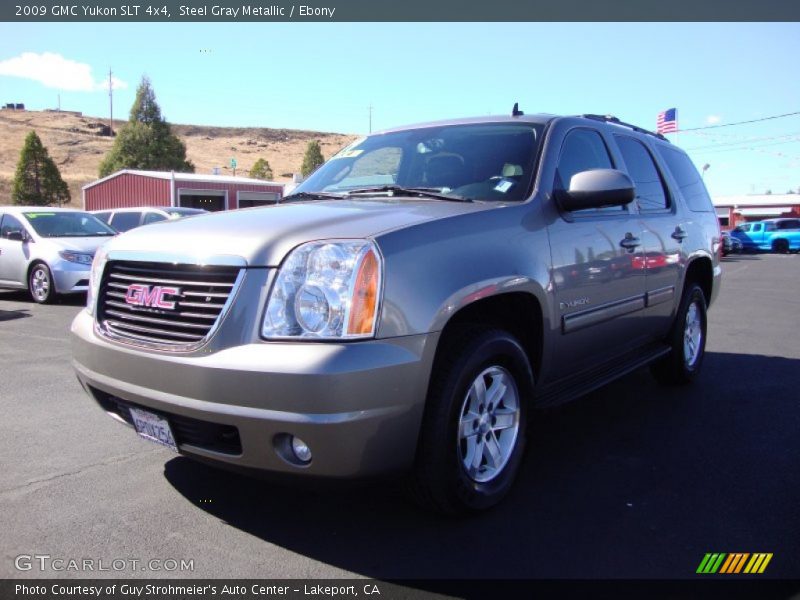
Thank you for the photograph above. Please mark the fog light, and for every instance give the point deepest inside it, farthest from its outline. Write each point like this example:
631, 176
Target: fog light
301, 450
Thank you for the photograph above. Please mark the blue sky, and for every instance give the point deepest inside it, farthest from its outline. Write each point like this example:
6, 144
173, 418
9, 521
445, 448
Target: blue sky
323, 76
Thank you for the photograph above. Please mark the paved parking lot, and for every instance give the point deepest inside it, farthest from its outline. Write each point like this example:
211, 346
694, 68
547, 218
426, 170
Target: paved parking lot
634, 480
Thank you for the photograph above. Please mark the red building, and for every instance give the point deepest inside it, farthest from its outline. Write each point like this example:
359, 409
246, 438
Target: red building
130, 188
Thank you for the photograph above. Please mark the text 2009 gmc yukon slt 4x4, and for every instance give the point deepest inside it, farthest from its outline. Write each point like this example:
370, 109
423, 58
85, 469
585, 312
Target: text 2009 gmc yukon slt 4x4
410, 303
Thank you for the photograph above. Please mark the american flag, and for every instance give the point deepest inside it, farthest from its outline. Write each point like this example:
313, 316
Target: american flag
667, 121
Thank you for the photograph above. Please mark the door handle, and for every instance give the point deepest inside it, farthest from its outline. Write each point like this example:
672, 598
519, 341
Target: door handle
679, 234
630, 242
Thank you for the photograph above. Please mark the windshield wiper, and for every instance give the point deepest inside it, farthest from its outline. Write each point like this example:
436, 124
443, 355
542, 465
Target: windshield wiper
420, 192
312, 196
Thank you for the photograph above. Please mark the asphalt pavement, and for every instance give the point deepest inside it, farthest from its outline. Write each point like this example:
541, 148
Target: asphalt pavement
633, 481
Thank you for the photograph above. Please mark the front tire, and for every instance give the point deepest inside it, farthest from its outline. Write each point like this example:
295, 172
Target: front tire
473, 432
40, 284
687, 340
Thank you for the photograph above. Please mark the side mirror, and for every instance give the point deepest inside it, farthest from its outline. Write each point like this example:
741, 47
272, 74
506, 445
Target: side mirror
15, 236
598, 188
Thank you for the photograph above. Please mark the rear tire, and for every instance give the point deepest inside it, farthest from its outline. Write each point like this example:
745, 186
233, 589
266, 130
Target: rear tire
473, 432
780, 246
687, 340
40, 284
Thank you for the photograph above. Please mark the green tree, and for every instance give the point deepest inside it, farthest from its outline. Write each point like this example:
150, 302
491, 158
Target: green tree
38, 181
312, 158
146, 141
261, 170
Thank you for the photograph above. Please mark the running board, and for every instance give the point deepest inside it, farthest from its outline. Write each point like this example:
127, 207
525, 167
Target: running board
569, 388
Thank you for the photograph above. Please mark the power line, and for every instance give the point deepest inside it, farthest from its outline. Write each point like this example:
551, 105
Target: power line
741, 122
790, 137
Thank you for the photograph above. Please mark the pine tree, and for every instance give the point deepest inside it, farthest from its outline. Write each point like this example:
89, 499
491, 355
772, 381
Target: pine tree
38, 181
261, 170
312, 158
146, 141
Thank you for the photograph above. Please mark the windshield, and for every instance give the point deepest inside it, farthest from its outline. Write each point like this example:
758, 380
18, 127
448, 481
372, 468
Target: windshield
67, 224
491, 161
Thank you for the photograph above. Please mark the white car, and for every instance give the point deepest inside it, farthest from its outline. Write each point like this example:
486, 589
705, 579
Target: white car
48, 251
123, 219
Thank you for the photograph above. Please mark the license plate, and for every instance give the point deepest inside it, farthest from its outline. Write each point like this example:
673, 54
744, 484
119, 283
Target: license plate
153, 428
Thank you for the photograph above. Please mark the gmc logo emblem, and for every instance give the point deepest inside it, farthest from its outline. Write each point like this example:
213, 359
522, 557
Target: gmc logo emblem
144, 295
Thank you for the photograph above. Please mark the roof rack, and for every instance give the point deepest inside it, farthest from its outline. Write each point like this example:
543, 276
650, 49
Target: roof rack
616, 121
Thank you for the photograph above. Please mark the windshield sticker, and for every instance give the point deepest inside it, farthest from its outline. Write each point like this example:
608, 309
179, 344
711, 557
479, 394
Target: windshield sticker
348, 154
504, 186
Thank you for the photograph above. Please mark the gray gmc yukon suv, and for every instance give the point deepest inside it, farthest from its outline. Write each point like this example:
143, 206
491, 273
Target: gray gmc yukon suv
409, 304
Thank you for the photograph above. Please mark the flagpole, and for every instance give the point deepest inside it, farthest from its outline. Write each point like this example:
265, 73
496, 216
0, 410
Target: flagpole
676, 127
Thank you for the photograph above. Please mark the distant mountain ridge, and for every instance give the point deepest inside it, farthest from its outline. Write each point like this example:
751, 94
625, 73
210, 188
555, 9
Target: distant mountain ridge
74, 144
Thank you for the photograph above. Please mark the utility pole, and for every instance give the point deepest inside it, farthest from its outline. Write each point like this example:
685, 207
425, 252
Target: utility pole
370, 118
110, 104
59, 103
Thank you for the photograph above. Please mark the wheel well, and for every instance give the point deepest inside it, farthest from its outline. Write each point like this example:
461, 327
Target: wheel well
518, 313
701, 273
30, 268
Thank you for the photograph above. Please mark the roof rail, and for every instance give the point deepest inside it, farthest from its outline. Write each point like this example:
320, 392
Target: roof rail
616, 121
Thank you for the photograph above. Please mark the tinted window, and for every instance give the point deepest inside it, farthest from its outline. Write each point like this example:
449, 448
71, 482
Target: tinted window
789, 224
650, 194
103, 216
583, 150
153, 217
123, 221
689, 181
10, 224
743, 228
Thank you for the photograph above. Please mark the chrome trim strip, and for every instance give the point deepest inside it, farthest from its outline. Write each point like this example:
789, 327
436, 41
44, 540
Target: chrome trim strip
193, 315
135, 317
220, 260
661, 295
133, 341
119, 325
182, 282
593, 316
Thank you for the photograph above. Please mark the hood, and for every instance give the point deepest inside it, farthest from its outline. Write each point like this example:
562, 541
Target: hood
88, 245
263, 236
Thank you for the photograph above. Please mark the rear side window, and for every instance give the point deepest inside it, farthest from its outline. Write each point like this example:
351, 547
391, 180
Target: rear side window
650, 193
103, 216
153, 217
689, 181
788, 224
123, 221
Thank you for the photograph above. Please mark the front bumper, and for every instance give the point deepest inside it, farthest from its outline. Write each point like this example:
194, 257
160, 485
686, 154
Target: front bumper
358, 406
70, 277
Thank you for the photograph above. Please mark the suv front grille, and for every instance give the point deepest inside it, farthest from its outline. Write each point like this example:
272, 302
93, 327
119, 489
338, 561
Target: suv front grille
164, 305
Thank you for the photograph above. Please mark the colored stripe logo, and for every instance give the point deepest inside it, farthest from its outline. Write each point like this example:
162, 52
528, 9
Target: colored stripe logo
736, 562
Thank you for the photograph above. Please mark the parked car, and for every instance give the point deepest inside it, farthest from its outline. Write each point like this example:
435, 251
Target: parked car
730, 244
48, 251
364, 327
125, 219
776, 235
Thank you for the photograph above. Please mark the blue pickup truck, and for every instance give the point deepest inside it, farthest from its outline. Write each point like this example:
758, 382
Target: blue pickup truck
777, 235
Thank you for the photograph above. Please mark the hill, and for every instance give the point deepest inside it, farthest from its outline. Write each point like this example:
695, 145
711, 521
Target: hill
73, 142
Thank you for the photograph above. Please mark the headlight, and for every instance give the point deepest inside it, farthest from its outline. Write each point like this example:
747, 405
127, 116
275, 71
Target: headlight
76, 257
326, 290
95, 275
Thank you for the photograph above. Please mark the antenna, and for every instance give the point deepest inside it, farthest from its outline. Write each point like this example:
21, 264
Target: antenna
370, 117
110, 105
516, 112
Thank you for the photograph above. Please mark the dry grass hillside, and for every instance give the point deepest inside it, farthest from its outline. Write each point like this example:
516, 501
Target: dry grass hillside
73, 143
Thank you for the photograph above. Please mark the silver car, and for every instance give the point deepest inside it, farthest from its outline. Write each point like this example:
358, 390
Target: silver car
409, 304
48, 251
